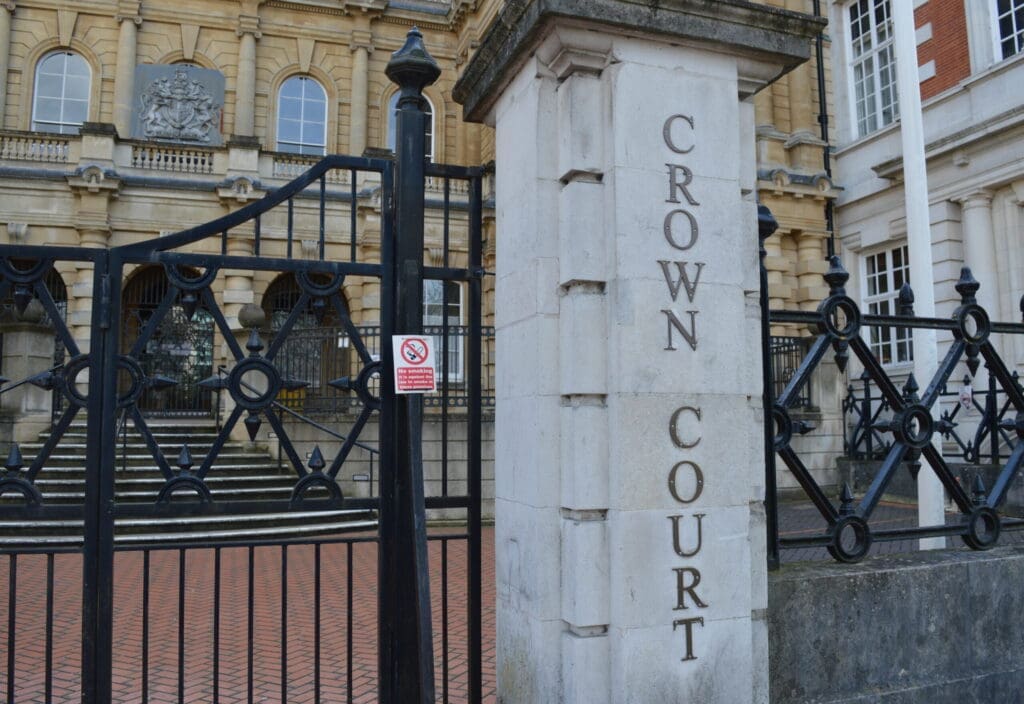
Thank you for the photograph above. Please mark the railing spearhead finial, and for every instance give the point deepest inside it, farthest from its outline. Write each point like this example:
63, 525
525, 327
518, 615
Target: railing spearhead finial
978, 490
967, 286
846, 500
836, 276
766, 223
905, 302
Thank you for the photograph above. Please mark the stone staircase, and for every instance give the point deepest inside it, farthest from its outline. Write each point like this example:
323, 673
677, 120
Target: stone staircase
241, 473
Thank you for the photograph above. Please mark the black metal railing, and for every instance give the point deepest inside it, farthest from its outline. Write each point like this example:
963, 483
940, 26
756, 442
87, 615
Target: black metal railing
787, 353
975, 424
272, 620
909, 421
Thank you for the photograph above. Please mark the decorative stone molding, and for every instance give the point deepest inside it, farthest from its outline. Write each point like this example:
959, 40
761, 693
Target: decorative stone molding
66, 20
361, 39
183, 107
980, 198
240, 189
93, 178
249, 24
189, 39
18, 231
129, 10
8, 5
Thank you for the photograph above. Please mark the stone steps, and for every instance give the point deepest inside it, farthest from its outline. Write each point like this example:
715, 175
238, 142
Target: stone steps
155, 531
242, 472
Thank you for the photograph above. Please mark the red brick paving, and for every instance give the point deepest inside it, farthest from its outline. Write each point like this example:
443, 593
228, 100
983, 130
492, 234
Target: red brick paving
162, 675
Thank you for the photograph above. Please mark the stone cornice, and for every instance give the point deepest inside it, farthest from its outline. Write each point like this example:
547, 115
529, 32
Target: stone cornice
748, 29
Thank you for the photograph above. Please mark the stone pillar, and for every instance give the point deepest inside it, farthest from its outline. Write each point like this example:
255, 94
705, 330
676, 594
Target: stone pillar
6, 10
980, 248
124, 74
27, 350
630, 539
94, 184
245, 82
362, 46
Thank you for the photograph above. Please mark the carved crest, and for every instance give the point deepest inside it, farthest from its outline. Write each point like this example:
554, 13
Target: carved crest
179, 108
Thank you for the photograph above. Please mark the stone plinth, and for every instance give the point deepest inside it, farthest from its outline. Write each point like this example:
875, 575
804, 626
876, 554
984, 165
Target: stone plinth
629, 472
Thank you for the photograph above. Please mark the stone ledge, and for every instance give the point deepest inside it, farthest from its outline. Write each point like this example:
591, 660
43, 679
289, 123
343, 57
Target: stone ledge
899, 629
750, 29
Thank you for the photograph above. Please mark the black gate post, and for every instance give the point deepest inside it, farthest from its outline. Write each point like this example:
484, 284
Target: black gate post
766, 226
98, 546
406, 639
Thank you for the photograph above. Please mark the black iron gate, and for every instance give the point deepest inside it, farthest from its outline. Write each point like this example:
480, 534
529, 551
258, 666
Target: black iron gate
213, 642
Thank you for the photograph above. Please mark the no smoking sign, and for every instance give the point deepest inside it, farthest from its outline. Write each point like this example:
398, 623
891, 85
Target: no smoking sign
414, 364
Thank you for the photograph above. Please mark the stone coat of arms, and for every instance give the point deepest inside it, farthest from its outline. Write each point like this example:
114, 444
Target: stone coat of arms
179, 108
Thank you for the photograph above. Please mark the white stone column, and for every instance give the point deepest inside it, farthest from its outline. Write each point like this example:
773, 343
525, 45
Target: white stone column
6, 10
359, 99
124, 73
630, 545
245, 83
980, 248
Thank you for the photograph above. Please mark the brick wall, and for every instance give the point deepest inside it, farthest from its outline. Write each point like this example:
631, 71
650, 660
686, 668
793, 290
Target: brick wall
947, 47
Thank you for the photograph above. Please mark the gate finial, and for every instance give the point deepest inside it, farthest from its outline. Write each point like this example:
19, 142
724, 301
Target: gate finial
412, 67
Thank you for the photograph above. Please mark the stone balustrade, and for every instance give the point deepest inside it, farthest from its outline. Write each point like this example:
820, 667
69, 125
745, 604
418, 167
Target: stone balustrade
35, 146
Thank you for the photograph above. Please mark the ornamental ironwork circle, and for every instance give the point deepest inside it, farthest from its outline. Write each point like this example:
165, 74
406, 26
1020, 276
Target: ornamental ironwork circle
983, 528
914, 426
851, 539
72, 369
190, 283
250, 396
362, 386
832, 310
319, 290
973, 324
783, 427
30, 275
138, 381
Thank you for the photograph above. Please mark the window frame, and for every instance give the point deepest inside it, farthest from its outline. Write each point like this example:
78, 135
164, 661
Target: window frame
456, 371
392, 124
60, 125
863, 128
896, 352
281, 145
997, 35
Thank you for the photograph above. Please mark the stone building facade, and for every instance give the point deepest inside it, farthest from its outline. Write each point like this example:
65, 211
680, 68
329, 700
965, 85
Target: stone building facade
92, 152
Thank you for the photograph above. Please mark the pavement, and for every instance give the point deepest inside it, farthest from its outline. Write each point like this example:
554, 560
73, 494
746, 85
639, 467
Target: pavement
346, 603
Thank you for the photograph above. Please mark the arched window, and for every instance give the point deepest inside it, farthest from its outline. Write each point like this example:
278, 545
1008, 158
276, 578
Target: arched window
302, 117
61, 101
428, 130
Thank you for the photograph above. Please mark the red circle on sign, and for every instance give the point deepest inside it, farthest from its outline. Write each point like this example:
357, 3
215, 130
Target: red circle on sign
414, 351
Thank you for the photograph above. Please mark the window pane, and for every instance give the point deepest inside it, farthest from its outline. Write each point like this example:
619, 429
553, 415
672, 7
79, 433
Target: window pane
291, 109
292, 88
76, 88
75, 111
313, 133
316, 111
48, 109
